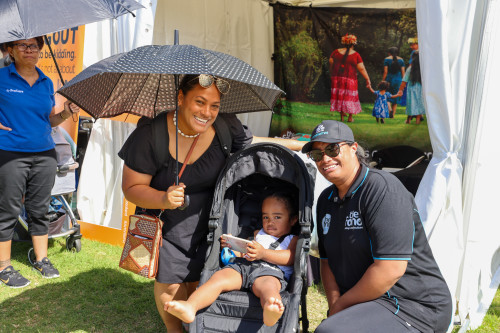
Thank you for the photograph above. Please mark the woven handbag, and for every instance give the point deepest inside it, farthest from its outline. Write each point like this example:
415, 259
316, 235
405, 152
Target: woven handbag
142, 245
144, 237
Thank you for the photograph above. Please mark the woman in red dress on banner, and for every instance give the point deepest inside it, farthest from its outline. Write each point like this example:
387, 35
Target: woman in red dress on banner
344, 65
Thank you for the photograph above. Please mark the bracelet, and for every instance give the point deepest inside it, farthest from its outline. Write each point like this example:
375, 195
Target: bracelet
61, 115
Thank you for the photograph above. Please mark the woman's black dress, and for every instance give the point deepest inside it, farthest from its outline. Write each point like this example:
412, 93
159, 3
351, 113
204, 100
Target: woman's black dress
182, 254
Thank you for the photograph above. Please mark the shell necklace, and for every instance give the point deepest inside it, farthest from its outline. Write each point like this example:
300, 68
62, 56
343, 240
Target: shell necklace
180, 132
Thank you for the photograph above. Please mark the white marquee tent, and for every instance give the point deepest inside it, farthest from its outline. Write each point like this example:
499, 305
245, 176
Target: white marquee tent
458, 39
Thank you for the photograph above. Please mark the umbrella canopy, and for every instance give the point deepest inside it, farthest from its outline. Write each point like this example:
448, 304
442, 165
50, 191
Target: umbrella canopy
142, 82
25, 19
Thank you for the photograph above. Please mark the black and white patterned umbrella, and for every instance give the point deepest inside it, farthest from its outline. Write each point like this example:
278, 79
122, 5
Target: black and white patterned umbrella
141, 82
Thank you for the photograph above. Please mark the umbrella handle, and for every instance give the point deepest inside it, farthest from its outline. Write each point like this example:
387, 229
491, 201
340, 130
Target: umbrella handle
185, 204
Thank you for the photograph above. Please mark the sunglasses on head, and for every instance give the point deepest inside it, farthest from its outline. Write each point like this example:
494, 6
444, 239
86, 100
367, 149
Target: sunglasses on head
206, 81
332, 150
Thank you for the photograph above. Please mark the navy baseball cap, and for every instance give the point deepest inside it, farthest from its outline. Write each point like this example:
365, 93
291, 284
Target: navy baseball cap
329, 131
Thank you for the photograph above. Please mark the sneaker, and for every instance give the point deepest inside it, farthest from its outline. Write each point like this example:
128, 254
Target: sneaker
45, 268
12, 278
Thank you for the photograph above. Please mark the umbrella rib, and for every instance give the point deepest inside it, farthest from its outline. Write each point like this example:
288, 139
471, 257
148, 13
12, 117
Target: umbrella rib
111, 91
157, 93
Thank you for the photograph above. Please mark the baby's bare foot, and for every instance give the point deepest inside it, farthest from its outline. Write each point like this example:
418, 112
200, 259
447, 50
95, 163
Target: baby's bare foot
273, 309
182, 310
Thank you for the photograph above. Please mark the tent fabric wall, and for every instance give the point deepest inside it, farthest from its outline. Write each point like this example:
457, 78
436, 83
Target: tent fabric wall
100, 202
243, 29
452, 198
480, 268
444, 85
99, 195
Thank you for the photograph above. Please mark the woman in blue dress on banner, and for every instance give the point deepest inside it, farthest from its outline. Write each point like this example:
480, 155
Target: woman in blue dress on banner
412, 81
394, 70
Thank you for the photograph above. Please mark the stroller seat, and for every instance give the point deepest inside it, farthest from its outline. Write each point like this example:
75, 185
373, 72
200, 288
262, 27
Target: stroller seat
248, 176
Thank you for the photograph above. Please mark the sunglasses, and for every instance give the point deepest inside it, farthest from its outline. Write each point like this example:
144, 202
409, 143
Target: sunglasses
206, 81
332, 150
23, 47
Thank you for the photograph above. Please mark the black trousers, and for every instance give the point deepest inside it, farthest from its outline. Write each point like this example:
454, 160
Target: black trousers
369, 317
31, 175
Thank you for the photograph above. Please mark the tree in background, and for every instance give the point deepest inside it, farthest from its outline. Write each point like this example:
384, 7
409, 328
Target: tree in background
301, 60
305, 38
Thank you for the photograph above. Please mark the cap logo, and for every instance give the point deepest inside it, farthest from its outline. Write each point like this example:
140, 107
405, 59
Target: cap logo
320, 130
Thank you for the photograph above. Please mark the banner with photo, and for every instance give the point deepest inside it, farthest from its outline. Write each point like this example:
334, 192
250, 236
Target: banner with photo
305, 39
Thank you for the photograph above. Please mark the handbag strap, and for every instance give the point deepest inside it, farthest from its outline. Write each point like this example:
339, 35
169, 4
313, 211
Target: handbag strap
184, 165
188, 156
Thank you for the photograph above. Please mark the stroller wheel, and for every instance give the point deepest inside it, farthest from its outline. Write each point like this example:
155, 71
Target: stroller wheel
31, 256
73, 245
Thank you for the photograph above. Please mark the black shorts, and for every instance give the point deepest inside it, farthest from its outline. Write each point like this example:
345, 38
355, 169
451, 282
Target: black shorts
31, 175
251, 270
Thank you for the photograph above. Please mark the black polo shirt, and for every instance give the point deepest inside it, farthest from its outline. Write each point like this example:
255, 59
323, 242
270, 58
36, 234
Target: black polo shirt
378, 219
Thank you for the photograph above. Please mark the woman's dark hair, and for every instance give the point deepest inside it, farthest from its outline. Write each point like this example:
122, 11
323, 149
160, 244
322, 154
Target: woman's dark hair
288, 199
188, 82
395, 66
415, 76
344, 58
39, 41
383, 85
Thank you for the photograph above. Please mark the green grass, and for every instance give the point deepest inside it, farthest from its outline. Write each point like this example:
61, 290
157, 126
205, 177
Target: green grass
491, 322
94, 295
303, 117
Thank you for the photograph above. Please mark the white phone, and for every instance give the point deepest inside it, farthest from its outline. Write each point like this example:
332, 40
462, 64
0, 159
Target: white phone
236, 243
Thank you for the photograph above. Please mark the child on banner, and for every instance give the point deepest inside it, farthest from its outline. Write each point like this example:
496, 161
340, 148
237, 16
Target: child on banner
381, 106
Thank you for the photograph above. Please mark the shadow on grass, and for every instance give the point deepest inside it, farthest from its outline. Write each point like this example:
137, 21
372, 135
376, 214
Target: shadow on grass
99, 300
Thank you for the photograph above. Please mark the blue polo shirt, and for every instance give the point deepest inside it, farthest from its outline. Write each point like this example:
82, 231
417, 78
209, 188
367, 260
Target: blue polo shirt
26, 110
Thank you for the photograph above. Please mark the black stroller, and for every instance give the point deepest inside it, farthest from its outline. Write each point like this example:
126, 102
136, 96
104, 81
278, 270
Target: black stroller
63, 222
247, 175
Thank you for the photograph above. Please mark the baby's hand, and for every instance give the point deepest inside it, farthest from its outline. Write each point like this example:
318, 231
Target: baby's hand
223, 242
255, 251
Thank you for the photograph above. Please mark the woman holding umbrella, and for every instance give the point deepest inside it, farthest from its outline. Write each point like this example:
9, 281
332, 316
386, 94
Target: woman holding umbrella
27, 155
184, 246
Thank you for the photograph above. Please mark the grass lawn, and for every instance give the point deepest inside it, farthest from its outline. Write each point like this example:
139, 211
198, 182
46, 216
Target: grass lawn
94, 295
370, 134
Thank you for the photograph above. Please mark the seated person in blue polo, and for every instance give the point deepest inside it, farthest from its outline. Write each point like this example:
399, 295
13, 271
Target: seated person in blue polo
377, 268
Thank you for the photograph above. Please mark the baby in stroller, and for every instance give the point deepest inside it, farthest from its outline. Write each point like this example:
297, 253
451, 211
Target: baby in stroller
265, 267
